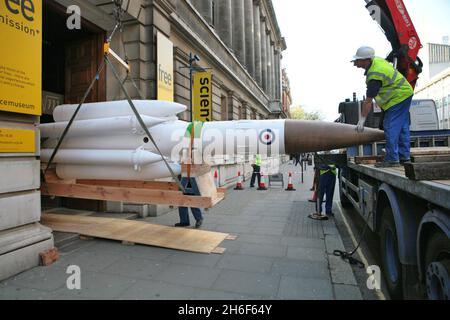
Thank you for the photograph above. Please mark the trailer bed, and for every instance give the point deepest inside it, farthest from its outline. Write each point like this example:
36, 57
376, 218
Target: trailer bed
435, 191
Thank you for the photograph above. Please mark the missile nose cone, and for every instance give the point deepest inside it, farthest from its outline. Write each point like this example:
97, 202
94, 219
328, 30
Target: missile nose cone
310, 136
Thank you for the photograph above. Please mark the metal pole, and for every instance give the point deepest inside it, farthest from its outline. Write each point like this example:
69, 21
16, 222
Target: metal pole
190, 86
301, 164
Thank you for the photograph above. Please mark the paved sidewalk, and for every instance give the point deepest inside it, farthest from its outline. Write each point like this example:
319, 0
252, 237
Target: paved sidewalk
279, 254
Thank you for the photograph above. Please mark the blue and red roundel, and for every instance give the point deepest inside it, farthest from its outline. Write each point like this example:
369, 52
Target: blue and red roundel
267, 137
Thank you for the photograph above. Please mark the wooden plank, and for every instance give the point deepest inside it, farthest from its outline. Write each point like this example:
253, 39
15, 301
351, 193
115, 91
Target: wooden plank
368, 159
144, 196
219, 250
431, 158
196, 170
137, 232
428, 171
159, 185
429, 151
50, 176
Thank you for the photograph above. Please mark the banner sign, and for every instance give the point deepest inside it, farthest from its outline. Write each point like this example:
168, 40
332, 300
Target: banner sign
20, 56
164, 68
17, 141
202, 96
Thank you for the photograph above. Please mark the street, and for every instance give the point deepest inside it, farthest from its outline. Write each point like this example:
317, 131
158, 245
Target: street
279, 253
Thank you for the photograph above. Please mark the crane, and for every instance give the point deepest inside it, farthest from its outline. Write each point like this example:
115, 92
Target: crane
397, 25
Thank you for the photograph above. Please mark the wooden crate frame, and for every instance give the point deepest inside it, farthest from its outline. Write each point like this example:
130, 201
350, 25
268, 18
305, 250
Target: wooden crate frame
145, 192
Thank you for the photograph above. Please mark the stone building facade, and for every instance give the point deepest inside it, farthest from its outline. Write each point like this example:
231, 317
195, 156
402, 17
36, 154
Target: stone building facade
239, 41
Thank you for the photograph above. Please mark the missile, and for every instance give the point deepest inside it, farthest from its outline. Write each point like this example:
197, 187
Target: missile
97, 110
136, 158
175, 138
95, 126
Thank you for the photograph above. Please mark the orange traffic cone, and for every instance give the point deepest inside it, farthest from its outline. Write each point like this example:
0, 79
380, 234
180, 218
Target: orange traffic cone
239, 182
216, 179
262, 185
290, 186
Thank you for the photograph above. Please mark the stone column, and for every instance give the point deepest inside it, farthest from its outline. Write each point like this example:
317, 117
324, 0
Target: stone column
249, 37
205, 9
269, 66
273, 69
278, 74
224, 22
239, 30
263, 54
257, 45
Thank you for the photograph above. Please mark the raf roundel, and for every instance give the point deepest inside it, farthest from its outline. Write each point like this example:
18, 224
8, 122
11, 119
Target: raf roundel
267, 137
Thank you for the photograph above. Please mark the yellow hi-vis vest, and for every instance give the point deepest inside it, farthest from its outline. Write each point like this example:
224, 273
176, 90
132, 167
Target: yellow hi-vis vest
332, 170
394, 89
258, 160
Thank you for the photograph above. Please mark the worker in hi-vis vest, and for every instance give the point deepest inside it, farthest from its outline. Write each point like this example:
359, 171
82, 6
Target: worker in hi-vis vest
327, 182
256, 171
393, 94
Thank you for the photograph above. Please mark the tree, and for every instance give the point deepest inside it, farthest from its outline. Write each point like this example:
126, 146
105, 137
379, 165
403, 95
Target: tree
299, 113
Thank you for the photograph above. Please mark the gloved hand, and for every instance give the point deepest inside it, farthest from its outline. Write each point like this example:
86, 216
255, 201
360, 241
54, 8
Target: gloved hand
360, 125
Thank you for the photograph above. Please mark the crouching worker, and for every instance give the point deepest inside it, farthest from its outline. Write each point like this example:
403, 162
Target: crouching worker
327, 183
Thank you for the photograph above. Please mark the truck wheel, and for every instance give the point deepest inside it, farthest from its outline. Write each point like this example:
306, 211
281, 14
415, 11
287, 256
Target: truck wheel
391, 266
437, 267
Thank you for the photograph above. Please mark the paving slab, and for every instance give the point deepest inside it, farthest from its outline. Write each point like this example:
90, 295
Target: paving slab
250, 283
305, 289
243, 262
347, 292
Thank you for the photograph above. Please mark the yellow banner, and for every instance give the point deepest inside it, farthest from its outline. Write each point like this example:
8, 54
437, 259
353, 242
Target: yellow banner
20, 56
17, 141
202, 96
164, 70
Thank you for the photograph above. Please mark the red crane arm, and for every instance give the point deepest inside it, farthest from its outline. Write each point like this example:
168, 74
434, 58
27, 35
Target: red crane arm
394, 19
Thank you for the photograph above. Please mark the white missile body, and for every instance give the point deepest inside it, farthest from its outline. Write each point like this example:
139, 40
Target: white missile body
138, 157
99, 110
104, 138
92, 127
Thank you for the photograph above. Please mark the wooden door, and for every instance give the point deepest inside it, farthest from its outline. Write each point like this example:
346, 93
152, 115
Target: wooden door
83, 58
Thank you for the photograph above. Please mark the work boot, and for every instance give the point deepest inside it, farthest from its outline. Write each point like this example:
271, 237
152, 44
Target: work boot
403, 161
387, 164
182, 224
198, 223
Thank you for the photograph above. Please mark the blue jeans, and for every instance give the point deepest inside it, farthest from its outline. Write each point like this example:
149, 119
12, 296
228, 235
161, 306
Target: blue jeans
184, 214
396, 131
327, 182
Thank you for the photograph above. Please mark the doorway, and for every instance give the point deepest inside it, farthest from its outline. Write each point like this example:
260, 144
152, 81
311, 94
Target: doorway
70, 59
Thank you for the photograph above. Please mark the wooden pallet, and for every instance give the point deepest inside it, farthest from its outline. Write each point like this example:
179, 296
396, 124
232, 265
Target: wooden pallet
137, 232
145, 192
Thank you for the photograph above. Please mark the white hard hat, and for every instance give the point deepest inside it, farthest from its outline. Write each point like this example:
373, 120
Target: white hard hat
364, 53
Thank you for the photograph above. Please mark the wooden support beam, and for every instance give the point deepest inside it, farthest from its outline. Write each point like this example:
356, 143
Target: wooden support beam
431, 158
144, 196
152, 185
428, 171
429, 151
368, 159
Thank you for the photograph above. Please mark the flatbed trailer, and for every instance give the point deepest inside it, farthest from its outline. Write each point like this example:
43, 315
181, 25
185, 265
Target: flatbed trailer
412, 220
